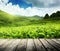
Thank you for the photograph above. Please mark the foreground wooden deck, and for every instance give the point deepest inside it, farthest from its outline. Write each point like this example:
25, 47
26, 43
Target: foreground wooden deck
29, 44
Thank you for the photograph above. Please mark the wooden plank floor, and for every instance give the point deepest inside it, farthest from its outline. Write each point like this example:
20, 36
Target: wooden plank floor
29, 44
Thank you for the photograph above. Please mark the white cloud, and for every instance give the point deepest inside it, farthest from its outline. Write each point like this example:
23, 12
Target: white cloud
47, 2
16, 10
44, 3
4, 1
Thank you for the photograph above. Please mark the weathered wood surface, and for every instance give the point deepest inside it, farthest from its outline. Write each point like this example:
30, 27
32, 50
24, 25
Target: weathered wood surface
29, 44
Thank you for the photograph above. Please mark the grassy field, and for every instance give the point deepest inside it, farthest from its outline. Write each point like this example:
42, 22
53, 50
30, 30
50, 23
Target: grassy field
28, 27
48, 30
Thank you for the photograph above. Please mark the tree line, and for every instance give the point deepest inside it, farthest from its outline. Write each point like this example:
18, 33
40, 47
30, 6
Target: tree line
53, 15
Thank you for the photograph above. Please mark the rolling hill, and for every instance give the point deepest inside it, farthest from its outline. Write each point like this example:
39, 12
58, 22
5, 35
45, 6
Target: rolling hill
8, 19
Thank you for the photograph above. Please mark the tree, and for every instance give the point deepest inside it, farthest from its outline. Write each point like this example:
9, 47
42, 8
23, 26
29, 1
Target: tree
53, 15
46, 16
58, 13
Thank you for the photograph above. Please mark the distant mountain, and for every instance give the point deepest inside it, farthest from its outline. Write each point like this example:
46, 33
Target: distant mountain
37, 17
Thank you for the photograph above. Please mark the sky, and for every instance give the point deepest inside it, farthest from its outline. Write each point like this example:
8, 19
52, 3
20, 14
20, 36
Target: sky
30, 7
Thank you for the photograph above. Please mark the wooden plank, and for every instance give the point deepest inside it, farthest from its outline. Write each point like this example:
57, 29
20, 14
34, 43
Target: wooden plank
2, 41
57, 41
2, 47
54, 44
47, 46
22, 45
38, 45
30, 45
12, 45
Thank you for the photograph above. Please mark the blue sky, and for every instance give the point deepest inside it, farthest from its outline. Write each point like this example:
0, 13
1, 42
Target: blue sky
30, 7
36, 3
21, 3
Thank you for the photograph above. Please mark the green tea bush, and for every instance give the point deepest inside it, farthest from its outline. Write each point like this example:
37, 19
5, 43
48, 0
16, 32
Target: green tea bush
31, 31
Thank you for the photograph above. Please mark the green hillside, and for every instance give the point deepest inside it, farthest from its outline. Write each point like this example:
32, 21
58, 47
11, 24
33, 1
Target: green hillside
5, 15
7, 19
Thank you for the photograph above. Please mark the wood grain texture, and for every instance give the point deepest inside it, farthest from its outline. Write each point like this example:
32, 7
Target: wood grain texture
47, 46
29, 44
38, 45
54, 44
22, 45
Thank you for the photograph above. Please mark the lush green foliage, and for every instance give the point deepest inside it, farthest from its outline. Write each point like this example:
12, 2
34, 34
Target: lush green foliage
28, 27
32, 31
